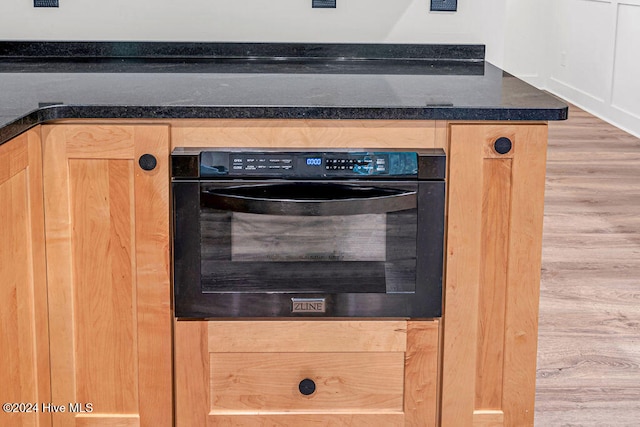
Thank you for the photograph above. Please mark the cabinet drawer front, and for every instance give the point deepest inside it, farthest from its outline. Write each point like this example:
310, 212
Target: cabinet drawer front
343, 381
248, 373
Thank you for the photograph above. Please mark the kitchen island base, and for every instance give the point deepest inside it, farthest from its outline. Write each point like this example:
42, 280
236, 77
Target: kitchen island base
473, 367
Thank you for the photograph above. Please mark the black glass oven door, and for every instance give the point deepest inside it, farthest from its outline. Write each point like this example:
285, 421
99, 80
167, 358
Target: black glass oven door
308, 237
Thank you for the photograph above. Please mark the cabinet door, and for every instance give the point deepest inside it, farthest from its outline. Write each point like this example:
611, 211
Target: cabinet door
493, 275
24, 336
107, 237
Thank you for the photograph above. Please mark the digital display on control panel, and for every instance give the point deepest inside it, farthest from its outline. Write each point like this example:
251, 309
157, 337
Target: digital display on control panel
314, 161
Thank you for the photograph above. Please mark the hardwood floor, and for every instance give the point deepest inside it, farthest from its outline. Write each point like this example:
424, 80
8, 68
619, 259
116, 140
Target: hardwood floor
589, 333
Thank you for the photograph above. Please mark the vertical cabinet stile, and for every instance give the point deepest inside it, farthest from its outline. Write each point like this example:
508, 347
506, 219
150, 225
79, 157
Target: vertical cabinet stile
24, 334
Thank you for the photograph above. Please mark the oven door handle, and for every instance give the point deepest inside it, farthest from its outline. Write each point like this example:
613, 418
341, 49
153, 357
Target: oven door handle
308, 199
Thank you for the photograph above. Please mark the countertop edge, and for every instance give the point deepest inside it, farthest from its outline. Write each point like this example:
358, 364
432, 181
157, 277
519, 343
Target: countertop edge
80, 112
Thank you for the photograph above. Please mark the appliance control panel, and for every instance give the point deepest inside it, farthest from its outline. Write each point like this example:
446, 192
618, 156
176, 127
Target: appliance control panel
308, 165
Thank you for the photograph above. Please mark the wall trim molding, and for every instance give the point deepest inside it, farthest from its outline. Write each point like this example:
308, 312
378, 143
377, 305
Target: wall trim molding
625, 111
581, 93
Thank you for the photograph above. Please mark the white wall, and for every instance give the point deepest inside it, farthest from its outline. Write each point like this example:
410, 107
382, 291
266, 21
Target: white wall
373, 21
525, 39
586, 51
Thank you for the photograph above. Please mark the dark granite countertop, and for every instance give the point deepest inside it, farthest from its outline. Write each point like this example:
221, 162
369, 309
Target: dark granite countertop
43, 81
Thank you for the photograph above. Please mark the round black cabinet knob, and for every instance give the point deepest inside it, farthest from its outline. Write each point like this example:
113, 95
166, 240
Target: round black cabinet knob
307, 386
147, 162
502, 145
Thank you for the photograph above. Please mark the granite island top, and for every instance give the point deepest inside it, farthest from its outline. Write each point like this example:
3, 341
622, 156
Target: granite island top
44, 81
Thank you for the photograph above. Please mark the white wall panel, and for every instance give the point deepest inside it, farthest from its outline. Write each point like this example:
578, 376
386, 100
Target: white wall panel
525, 38
581, 46
626, 74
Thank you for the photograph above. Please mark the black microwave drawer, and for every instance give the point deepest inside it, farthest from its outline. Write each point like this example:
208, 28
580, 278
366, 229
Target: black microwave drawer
254, 248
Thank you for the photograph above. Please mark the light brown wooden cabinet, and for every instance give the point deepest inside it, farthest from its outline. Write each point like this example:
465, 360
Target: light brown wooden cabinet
24, 335
107, 238
102, 300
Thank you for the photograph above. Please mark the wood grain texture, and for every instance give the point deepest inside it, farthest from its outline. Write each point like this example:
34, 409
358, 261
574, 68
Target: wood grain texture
344, 381
442, 135
488, 418
523, 276
103, 290
589, 352
113, 421
304, 133
24, 335
192, 373
14, 157
308, 420
463, 261
100, 142
307, 336
493, 282
107, 238
492, 273
420, 379
153, 273
59, 268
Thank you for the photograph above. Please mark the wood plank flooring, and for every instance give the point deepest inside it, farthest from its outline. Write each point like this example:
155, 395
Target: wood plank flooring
589, 334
